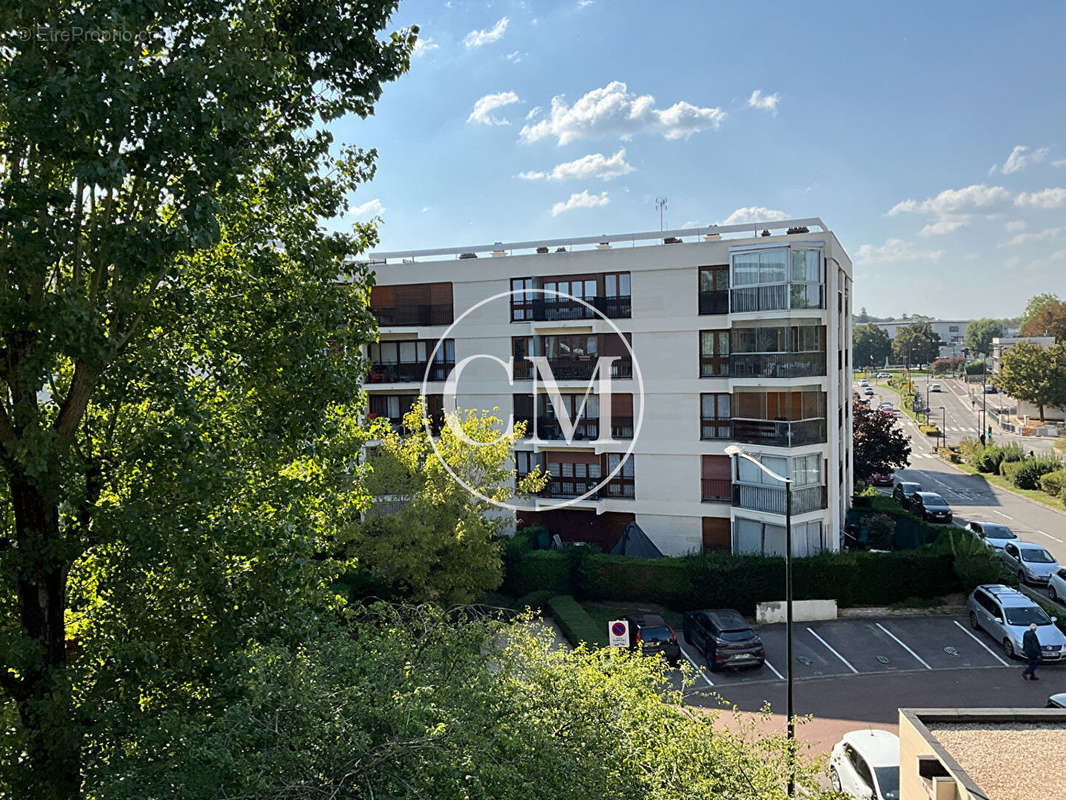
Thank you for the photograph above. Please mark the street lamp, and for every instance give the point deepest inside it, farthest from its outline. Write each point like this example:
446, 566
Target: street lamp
735, 450
944, 424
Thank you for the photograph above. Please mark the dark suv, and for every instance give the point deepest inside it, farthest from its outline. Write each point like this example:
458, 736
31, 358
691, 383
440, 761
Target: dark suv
724, 637
652, 635
904, 491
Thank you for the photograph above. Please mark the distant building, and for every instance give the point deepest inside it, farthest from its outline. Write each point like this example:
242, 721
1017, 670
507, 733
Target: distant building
952, 332
981, 753
1001, 345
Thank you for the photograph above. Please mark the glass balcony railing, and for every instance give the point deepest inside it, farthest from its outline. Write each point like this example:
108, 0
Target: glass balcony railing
714, 302
780, 433
776, 365
556, 309
771, 499
439, 314
569, 369
565, 488
408, 373
716, 490
585, 429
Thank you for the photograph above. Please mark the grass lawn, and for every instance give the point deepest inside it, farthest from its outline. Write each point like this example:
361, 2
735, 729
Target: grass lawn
603, 614
1003, 483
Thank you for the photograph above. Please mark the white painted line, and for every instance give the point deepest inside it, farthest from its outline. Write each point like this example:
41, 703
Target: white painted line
897, 640
985, 646
1000, 513
834, 652
771, 666
699, 669
1048, 535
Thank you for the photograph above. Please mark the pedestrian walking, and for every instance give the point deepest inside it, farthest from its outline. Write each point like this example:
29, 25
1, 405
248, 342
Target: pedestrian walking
1031, 650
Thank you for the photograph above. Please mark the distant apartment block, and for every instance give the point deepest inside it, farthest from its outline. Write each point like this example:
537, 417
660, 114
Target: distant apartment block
952, 333
741, 335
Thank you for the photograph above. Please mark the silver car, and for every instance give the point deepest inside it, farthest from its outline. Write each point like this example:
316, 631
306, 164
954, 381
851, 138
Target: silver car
1056, 586
1030, 562
991, 533
1006, 614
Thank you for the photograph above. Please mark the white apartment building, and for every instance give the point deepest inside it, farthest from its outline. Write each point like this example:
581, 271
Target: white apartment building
952, 333
739, 334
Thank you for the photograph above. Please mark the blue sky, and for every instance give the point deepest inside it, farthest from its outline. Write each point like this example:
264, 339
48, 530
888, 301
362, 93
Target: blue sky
931, 137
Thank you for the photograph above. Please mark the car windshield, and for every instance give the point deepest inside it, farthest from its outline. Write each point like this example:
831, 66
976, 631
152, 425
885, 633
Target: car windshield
736, 636
1037, 555
655, 634
993, 531
1026, 615
910, 487
931, 499
888, 782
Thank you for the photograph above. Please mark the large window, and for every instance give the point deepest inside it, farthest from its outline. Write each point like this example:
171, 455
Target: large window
714, 354
764, 538
714, 289
714, 416
406, 360
777, 278
806, 278
412, 304
522, 299
784, 351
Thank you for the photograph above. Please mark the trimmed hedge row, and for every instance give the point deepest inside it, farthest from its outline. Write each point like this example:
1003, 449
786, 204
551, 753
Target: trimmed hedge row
575, 622
547, 570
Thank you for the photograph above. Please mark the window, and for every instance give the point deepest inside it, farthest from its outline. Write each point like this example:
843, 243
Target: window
525, 462
778, 278
616, 284
714, 289
807, 470
521, 349
521, 299
714, 416
716, 479
953, 329
622, 484
714, 353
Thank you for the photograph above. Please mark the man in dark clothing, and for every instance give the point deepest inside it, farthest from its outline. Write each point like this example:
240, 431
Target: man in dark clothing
1031, 650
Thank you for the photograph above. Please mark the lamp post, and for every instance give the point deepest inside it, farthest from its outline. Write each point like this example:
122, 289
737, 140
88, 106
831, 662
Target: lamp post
944, 424
735, 450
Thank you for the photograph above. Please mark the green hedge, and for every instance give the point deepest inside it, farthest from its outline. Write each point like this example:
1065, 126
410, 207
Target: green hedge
575, 623
1054, 483
1009, 469
548, 570
1030, 471
535, 600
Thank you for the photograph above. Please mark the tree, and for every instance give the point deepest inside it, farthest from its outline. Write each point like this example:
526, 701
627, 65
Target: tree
878, 442
980, 333
917, 343
871, 345
1038, 376
1037, 304
168, 303
443, 543
1049, 320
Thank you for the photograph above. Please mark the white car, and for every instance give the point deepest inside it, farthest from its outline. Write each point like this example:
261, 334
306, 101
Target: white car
934, 387
1056, 585
865, 765
992, 534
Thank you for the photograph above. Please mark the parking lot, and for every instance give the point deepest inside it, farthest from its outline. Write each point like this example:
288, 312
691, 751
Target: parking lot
849, 647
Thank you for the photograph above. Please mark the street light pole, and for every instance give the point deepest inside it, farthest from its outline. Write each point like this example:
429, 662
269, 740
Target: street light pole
735, 450
944, 424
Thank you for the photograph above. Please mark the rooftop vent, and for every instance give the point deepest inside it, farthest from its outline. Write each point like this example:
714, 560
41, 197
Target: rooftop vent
560, 249
765, 233
799, 229
497, 249
603, 246
671, 240
463, 256
542, 249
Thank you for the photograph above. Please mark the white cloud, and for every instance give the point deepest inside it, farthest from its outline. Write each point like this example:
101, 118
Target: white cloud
951, 201
585, 3
533, 112
767, 102
423, 46
1020, 158
580, 199
1016, 225
754, 214
1048, 198
594, 165
1060, 163
514, 56
1044, 235
945, 225
479, 38
425, 209
371, 208
894, 251
484, 107
614, 111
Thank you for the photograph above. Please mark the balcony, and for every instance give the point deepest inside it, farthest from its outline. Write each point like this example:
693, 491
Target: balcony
761, 298
716, 490
561, 309
771, 499
438, 314
407, 373
585, 430
776, 365
559, 488
714, 302
780, 433
573, 369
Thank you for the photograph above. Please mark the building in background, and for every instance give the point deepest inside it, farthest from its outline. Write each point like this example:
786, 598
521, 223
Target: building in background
981, 753
741, 334
952, 332
1001, 344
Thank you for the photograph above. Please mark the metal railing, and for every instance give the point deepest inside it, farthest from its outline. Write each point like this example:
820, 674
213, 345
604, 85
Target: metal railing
437, 314
714, 302
777, 365
408, 373
575, 368
780, 433
716, 490
554, 309
771, 499
760, 298
585, 429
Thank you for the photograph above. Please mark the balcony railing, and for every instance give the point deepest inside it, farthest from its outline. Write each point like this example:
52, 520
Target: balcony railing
714, 302
408, 373
760, 298
564, 488
585, 429
565, 369
779, 433
771, 499
552, 310
716, 490
439, 314
776, 365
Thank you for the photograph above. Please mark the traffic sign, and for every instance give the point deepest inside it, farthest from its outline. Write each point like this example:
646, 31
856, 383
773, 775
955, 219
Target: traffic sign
618, 632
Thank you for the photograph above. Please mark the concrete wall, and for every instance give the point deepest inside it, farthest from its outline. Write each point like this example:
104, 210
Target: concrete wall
802, 611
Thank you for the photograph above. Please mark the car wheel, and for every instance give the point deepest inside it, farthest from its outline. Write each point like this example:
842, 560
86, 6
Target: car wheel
1008, 648
973, 622
834, 780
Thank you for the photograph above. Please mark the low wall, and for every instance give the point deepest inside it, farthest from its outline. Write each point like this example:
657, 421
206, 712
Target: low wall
802, 611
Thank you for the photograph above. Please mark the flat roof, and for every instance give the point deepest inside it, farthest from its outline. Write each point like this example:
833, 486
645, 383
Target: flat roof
752, 228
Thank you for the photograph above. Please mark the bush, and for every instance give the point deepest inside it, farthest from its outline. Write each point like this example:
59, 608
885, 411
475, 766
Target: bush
575, 623
536, 600
989, 459
1013, 452
1054, 483
1029, 472
882, 531
929, 430
975, 368
548, 570
974, 563
1008, 469
970, 449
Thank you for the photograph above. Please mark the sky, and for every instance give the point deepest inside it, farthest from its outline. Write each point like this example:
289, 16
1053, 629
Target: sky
930, 137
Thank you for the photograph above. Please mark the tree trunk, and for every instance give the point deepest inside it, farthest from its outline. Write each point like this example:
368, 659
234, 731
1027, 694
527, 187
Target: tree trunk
53, 739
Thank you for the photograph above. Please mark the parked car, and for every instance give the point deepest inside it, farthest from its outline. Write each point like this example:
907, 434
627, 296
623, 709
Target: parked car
1056, 585
882, 479
724, 638
864, 382
865, 765
934, 387
1006, 614
904, 491
883, 375
1030, 562
1057, 701
930, 506
990, 389
991, 533
651, 634
868, 391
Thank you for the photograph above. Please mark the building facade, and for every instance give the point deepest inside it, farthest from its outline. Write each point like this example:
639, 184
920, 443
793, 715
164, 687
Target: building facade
952, 333
712, 337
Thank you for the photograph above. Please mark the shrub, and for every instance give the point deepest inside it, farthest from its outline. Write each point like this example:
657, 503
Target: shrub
1054, 483
540, 569
1029, 472
989, 459
882, 531
1008, 469
536, 600
970, 449
575, 623
1013, 452
929, 430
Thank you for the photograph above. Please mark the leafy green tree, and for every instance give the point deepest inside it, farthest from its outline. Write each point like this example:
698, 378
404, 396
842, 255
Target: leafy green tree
177, 356
980, 333
427, 538
1037, 304
1049, 320
871, 345
917, 343
878, 443
1038, 376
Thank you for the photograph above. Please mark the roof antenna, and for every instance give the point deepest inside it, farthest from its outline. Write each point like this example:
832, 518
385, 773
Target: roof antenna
660, 203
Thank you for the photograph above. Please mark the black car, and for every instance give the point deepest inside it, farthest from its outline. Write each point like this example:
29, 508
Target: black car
724, 638
904, 491
930, 506
652, 635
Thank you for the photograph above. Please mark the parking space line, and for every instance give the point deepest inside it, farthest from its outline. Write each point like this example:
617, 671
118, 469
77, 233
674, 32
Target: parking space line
834, 652
771, 666
985, 646
898, 641
1048, 535
699, 669
1000, 513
